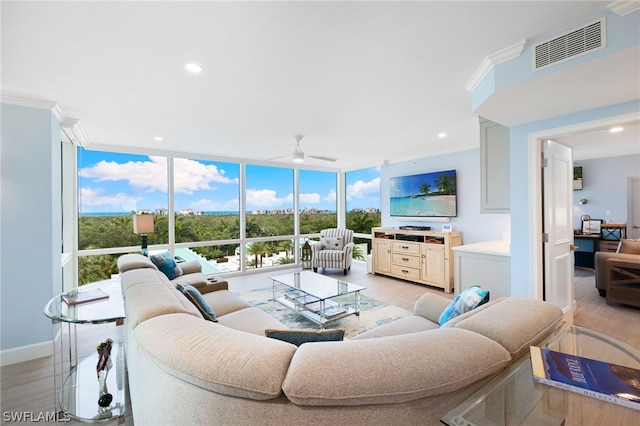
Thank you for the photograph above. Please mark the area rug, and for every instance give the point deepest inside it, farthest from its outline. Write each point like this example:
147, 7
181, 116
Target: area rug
372, 313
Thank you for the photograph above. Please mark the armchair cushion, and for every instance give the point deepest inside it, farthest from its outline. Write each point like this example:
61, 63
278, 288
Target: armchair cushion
628, 246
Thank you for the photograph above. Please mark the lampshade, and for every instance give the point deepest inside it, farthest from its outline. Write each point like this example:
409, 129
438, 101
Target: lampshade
143, 224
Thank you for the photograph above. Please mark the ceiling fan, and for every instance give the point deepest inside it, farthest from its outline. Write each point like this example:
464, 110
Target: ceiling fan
298, 156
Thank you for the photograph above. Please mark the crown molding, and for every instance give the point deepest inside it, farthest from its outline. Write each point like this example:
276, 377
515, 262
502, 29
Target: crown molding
34, 103
73, 130
623, 8
492, 60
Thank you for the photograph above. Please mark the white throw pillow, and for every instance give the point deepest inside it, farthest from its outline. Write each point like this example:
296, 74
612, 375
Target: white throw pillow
332, 243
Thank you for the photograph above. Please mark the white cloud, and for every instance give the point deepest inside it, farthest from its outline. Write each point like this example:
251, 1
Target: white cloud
96, 197
331, 196
189, 175
266, 198
192, 176
362, 189
310, 198
207, 205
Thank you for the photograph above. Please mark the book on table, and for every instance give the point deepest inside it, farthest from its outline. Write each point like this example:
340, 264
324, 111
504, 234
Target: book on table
597, 379
79, 297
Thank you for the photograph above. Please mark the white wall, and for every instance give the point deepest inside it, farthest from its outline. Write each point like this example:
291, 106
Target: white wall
475, 227
605, 188
30, 222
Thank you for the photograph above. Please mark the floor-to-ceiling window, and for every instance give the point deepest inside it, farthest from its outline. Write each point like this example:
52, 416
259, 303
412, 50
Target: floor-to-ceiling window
363, 206
228, 216
112, 187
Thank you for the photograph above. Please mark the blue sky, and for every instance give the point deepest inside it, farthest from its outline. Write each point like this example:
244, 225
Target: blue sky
119, 183
405, 186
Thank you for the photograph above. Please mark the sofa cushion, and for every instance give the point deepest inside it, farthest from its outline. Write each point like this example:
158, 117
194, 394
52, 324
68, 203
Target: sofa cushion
224, 302
198, 301
516, 322
127, 262
149, 300
629, 246
391, 369
411, 324
431, 306
250, 320
167, 264
227, 361
466, 301
298, 337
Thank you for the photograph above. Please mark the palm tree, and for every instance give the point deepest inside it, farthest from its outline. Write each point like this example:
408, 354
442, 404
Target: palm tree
257, 248
446, 184
425, 188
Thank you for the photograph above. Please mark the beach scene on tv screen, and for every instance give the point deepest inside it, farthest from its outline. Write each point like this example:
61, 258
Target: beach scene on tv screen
424, 195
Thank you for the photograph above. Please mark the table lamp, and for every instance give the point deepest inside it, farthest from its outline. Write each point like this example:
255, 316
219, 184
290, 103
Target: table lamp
143, 225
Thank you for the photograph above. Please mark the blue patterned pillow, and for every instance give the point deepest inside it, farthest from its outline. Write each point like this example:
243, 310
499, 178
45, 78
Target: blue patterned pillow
167, 265
298, 337
466, 301
196, 298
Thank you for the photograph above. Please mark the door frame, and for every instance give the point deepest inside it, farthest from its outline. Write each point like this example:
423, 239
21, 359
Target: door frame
535, 190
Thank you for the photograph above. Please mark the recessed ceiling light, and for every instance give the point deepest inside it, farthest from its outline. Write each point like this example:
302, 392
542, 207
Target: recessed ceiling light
157, 138
616, 129
442, 135
193, 68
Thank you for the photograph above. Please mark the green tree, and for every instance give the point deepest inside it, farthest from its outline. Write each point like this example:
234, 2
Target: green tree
446, 184
425, 188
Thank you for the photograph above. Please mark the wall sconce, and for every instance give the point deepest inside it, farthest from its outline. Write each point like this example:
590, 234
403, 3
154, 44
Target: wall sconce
583, 201
143, 225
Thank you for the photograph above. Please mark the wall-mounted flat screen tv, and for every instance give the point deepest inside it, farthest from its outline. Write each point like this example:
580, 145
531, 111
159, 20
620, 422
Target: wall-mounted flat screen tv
424, 195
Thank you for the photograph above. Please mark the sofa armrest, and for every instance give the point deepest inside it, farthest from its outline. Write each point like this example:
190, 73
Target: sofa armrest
430, 306
212, 286
190, 267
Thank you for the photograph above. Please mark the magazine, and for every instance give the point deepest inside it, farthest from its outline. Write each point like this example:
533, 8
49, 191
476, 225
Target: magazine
79, 297
589, 377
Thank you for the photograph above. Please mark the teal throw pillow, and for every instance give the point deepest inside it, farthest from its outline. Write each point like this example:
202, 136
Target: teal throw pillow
167, 265
298, 337
466, 301
196, 298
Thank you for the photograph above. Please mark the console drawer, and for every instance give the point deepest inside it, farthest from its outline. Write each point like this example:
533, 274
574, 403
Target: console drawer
405, 272
405, 247
406, 260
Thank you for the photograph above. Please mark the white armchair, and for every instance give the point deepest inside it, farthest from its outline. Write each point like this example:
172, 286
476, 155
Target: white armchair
334, 250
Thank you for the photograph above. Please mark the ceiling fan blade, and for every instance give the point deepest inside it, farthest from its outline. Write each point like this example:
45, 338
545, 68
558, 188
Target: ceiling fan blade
319, 157
277, 158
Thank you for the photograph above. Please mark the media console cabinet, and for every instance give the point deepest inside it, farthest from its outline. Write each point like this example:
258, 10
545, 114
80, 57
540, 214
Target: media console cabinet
424, 257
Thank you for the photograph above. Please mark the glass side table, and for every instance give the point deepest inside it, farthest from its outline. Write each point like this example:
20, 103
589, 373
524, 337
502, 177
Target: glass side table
76, 386
513, 398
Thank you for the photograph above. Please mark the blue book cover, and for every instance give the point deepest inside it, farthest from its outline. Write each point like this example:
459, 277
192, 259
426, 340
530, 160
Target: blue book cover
590, 377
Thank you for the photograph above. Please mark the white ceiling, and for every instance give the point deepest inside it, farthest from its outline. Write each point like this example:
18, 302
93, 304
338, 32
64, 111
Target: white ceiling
365, 82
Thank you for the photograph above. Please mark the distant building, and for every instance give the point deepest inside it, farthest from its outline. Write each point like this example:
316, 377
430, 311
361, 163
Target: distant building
162, 212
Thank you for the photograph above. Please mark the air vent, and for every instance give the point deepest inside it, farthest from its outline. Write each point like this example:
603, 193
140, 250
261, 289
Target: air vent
578, 42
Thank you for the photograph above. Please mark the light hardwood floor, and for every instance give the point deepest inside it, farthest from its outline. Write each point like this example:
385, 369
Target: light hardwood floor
28, 387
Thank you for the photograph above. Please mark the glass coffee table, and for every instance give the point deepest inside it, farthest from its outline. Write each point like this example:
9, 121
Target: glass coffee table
318, 298
513, 398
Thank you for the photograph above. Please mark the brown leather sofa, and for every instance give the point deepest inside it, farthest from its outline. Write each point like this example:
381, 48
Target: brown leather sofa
628, 251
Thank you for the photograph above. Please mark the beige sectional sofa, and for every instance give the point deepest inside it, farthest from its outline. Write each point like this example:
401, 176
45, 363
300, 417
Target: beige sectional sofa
186, 370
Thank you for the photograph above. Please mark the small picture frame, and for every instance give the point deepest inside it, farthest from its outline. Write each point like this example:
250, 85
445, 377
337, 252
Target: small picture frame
592, 227
447, 228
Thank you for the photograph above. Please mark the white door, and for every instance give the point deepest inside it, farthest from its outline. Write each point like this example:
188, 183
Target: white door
633, 227
557, 181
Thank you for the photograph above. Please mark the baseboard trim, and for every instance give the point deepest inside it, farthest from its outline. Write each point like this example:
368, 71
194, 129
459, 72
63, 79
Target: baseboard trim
26, 353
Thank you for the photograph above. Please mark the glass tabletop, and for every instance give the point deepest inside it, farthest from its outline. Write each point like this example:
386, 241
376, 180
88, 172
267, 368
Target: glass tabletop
317, 285
100, 311
513, 398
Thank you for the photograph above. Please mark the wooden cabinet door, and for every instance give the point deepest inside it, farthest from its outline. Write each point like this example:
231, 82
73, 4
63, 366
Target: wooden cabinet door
381, 256
432, 268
